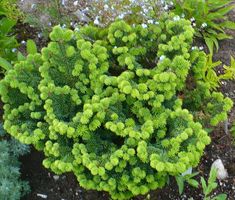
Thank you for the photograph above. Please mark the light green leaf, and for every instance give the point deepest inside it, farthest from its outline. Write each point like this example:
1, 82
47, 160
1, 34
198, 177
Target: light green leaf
228, 24
222, 36
5, 64
220, 197
20, 56
180, 183
210, 44
193, 183
204, 186
31, 47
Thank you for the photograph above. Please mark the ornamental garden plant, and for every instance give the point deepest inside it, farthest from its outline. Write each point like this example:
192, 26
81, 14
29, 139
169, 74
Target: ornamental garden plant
120, 107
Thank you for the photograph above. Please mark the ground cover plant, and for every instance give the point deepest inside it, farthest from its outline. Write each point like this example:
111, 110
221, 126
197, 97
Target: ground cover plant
113, 106
10, 181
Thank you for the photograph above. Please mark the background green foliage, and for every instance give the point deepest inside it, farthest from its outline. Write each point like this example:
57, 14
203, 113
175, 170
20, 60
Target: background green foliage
8, 19
11, 187
45, 14
209, 17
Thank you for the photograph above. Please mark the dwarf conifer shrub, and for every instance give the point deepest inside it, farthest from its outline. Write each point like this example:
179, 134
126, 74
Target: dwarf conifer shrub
103, 104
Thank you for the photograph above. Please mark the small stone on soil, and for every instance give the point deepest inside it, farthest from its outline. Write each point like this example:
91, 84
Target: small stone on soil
56, 178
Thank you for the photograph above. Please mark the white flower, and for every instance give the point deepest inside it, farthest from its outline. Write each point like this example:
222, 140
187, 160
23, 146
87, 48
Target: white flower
194, 48
96, 21
176, 18
166, 7
183, 15
192, 19
75, 3
62, 2
77, 29
106, 7
204, 25
144, 25
63, 26
194, 24
39, 35
33, 6
162, 58
201, 48
14, 50
156, 22
121, 16
150, 21
23, 42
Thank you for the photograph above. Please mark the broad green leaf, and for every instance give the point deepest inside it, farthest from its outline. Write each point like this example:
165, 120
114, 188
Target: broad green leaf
211, 187
225, 10
180, 183
204, 186
20, 56
215, 41
222, 36
228, 24
210, 44
193, 183
5, 64
212, 175
6, 25
31, 47
216, 4
220, 197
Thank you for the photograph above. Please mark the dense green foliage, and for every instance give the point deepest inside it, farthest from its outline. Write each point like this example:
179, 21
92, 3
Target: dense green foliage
7, 40
209, 18
11, 187
105, 104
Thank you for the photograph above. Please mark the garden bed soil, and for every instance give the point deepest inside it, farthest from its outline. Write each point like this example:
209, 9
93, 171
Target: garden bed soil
66, 187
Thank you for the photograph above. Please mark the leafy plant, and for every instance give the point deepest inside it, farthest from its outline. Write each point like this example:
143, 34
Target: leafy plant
9, 9
210, 186
210, 72
208, 17
8, 42
11, 187
189, 178
206, 187
103, 103
201, 96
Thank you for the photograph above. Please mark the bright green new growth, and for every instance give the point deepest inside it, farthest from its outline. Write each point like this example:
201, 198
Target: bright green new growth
103, 103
